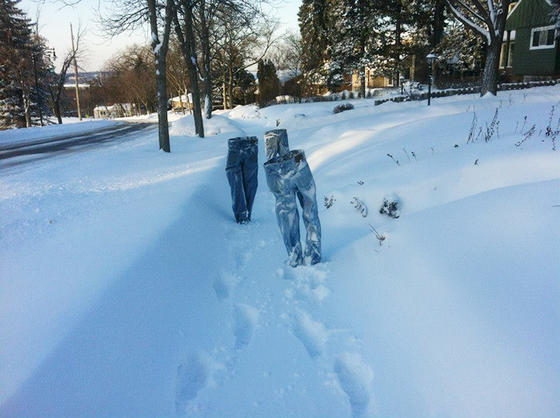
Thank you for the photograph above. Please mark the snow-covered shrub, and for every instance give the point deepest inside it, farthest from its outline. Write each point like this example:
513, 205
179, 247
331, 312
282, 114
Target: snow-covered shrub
360, 206
329, 201
343, 107
391, 206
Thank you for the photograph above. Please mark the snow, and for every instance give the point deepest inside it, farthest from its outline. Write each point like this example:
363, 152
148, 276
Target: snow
183, 98
70, 126
126, 289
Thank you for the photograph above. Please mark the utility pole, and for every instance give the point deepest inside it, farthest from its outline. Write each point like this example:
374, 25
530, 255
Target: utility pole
76, 73
34, 57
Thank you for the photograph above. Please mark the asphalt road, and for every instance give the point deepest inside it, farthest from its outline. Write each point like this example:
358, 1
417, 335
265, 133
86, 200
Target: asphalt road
46, 148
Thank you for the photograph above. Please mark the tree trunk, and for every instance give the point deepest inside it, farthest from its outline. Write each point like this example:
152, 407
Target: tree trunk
163, 123
490, 75
56, 106
224, 91
188, 48
398, 31
438, 24
188, 101
230, 85
27, 111
363, 82
160, 54
206, 64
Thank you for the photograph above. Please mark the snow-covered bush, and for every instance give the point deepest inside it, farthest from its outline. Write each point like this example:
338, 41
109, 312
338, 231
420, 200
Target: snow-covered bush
343, 107
391, 206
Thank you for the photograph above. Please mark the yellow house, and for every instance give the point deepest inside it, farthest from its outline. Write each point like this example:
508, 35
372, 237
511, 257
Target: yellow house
372, 80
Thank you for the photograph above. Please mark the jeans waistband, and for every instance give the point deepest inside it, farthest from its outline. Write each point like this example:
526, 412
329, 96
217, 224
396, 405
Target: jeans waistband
242, 141
287, 160
276, 132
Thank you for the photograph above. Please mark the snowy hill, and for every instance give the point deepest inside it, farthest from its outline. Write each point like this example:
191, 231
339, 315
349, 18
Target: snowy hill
126, 288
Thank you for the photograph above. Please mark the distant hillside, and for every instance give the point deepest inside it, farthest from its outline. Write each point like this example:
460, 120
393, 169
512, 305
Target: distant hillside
85, 77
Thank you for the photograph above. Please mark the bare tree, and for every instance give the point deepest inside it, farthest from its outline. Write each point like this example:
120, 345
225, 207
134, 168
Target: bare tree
488, 20
243, 41
56, 87
187, 41
289, 56
132, 79
177, 75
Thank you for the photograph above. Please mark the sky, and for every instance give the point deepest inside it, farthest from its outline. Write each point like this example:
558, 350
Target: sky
55, 20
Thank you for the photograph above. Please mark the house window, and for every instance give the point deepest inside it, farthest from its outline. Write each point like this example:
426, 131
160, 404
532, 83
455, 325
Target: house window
504, 55
543, 38
510, 54
508, 47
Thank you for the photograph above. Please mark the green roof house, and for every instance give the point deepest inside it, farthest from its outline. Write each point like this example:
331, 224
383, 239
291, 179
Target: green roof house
530, 48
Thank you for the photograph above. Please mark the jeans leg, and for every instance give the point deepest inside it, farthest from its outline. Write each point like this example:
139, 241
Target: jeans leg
310, 213
286, 213
235, 178
250, 179
288, 221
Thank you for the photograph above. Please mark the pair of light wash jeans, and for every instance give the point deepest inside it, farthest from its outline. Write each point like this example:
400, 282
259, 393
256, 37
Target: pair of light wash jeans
242, 170
289, 178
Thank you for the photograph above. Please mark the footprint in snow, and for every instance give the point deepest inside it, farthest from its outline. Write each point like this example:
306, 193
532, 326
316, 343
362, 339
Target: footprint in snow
246, 319
224, 284
355, 378
308, 282
192, 377
312, 334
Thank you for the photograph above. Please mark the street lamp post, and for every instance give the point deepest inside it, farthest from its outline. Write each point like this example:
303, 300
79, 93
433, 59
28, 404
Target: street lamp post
401, 78
430, 58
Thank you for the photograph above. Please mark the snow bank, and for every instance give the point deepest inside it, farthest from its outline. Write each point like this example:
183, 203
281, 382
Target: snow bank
216, 125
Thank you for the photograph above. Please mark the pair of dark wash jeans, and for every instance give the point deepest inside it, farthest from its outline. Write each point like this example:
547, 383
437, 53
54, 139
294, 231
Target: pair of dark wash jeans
241, 170
289, 178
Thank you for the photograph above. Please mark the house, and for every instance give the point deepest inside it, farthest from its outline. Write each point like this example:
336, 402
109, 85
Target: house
373, 80
118, 110
530, 47
181, 103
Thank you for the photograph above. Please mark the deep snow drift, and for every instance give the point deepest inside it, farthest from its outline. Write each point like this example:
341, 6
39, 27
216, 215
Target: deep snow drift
126, 289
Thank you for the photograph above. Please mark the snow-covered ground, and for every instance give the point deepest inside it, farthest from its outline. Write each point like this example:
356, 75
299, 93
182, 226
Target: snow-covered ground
172, 116
126, 289
70, 126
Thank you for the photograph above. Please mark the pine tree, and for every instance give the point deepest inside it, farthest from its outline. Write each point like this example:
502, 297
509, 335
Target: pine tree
313, 18
353, 39
15, 65
269, 85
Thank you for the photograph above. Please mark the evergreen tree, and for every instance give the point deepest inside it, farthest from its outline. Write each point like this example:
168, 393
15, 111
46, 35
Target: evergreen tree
352, 40
24, 69
269, 85
15, 45
313, 18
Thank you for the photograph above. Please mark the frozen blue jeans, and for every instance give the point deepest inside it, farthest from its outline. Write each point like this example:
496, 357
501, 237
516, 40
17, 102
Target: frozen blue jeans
289, 176
241, 170
276, 143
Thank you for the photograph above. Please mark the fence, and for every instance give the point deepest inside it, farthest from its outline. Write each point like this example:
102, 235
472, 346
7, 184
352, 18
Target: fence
466, 90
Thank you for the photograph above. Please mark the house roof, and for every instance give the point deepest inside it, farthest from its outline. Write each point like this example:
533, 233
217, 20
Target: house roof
529, 14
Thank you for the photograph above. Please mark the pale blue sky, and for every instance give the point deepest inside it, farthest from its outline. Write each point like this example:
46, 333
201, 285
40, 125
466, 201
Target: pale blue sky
54, 24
